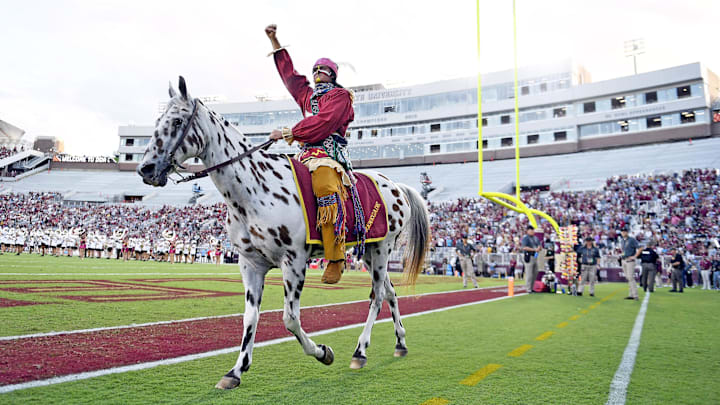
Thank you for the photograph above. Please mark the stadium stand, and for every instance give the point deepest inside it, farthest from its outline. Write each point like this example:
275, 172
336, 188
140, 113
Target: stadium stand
679, 209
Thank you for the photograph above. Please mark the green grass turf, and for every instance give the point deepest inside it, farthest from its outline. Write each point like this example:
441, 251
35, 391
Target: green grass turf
573, 366
677, 359
65, 314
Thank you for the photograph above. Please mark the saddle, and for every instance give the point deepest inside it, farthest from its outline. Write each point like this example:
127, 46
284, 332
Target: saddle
373, 204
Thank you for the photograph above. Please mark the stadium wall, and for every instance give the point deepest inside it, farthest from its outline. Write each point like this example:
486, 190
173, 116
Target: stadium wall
647, 137
716, 129
488, 155
583, 144
54, 165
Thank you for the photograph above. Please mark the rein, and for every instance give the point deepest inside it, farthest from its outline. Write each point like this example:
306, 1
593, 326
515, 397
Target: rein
205, 172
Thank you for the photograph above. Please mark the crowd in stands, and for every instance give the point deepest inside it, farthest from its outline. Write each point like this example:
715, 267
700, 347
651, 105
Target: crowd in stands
679, 210
6, 152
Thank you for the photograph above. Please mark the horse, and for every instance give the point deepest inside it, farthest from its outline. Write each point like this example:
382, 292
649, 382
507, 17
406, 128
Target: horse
265, 222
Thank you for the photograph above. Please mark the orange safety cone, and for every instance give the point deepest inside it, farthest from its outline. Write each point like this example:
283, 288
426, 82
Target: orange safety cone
511, 286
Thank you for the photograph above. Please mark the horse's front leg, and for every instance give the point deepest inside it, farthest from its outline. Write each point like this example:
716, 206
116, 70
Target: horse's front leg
254, 281
378, 264
294, 277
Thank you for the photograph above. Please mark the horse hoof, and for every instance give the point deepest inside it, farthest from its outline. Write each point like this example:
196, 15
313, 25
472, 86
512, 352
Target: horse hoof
358, 362
328, 357
227, 383
400, 352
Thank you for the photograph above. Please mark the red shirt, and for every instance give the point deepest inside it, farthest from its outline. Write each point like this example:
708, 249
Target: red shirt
336, 110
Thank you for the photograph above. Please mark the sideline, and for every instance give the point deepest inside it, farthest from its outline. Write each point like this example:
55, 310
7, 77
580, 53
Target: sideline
144, 366
619, 384
201, 318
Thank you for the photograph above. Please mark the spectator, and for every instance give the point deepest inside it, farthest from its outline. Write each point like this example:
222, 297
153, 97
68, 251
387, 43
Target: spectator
716, 272
705, 266
630, 252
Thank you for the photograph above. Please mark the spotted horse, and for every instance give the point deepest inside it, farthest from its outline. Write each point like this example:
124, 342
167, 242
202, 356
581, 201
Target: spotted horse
266, 224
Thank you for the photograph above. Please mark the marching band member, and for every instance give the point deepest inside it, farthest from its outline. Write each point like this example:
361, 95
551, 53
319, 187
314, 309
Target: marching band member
193, 251
179, 246
20, 240
186, 251
4, 240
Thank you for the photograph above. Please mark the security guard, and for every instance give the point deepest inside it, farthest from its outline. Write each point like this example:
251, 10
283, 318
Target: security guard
648, 260
589, 255
530, 246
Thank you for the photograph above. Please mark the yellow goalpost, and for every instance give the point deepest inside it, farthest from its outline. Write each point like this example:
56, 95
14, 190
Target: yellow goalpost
503, 199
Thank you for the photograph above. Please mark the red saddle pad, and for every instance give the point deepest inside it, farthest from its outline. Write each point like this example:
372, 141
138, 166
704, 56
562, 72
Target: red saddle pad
376, 221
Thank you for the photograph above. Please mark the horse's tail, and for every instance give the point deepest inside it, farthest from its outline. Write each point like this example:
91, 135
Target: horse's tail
418, 236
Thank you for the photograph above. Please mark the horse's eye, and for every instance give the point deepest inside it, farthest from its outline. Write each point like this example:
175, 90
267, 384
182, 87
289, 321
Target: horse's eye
177, 122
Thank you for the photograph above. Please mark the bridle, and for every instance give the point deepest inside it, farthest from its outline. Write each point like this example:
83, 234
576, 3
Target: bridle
174, 165
181, 138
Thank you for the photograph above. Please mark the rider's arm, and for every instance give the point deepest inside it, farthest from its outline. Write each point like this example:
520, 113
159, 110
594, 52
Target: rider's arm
297, 84
335, 111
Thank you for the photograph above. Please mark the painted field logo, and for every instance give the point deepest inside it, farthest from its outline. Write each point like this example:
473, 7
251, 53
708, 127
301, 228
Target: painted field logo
130, 291
136, 290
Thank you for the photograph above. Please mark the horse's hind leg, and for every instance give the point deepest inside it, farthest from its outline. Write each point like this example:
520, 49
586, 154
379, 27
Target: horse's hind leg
391, 297
254, 281
294, 276
378, 263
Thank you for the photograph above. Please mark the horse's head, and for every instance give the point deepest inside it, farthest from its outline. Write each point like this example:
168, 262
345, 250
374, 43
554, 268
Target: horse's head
175, 139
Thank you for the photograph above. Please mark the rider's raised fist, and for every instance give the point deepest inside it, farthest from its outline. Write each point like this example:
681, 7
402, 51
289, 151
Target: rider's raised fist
270, 31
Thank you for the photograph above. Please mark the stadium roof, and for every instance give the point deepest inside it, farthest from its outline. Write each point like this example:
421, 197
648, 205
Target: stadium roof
9, 132
586, 170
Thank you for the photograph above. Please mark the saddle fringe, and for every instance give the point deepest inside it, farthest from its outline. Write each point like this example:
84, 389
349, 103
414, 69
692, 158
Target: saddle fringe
332, 215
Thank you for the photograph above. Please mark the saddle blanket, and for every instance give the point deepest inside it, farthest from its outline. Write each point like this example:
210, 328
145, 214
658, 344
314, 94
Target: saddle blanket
376, 221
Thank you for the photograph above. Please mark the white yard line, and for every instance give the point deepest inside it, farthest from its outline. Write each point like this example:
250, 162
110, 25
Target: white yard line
144, 366
619, 384
201, 318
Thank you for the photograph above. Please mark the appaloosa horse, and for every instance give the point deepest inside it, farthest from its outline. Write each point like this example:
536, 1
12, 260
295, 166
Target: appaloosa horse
266, 224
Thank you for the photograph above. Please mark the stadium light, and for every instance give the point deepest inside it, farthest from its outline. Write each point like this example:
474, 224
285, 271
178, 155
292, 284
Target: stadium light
634, 47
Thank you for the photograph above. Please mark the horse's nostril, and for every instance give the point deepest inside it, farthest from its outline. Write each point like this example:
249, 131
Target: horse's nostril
147, 169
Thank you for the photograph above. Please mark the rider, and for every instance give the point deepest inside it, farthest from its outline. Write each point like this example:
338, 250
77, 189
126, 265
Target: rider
424, 178
322, 139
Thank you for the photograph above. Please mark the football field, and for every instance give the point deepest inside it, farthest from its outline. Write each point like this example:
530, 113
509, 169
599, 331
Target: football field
106, 331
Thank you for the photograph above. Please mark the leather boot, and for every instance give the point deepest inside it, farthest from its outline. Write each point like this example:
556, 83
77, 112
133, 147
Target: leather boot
333, 271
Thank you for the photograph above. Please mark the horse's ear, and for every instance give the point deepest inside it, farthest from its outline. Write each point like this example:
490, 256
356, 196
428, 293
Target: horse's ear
182, 87
171, 91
